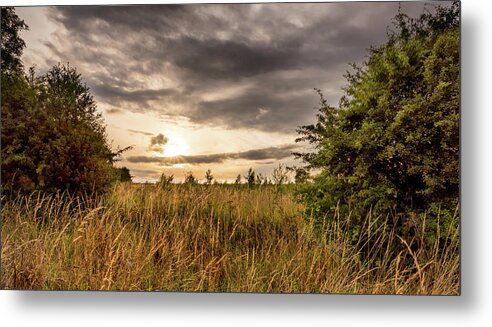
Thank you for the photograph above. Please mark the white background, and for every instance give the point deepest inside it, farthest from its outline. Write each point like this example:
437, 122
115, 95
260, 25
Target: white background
473, 307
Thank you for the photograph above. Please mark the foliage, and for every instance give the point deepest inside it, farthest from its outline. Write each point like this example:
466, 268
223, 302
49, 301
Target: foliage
301, 174
393, 143
280, 175
12, 44
190, 179
250, 177
53, 137
208, 177
123, 174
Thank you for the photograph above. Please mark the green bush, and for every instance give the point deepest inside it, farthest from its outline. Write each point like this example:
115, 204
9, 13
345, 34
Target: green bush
392, 145
53, 137
123, 174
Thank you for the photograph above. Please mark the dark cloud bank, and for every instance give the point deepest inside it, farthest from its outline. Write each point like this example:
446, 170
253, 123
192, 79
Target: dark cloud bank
270, 153
275, 54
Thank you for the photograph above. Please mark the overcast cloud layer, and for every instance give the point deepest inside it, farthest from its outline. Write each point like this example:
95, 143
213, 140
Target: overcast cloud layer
237, 79
239, 66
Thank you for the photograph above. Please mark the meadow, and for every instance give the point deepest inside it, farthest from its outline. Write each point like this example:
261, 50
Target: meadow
212, 238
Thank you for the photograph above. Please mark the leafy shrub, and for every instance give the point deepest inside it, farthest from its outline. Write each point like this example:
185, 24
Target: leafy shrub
393, 143
123, 174
53, 137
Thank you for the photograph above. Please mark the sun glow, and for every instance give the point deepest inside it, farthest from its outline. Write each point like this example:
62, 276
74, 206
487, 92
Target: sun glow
175, 147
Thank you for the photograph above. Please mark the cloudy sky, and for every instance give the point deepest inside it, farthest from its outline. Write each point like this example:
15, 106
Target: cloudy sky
197, 87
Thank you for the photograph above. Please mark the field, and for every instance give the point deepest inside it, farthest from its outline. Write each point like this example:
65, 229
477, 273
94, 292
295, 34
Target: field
218, 238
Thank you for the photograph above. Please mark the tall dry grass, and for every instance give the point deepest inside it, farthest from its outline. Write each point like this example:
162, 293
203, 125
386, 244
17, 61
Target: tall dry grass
213, 239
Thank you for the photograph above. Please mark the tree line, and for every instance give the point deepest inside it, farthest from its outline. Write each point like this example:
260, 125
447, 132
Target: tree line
281, 175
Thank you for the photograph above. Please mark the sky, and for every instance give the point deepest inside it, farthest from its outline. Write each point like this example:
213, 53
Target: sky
197, 87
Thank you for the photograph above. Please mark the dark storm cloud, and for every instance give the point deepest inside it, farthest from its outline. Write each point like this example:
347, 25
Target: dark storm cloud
259, 109
118, 95
229, 59
269, 153
274, 53
123, 17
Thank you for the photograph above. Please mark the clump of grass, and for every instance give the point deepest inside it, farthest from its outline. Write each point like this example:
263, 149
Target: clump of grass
210, 239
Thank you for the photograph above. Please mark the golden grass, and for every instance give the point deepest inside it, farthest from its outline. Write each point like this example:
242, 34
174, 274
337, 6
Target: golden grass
207, 239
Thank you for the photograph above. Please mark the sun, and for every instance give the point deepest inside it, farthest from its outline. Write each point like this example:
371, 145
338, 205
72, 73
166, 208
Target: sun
175, 147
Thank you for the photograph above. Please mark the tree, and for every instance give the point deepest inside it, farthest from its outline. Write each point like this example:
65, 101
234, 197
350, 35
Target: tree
393, 143
12, 44
18, 99
190, 179
53, 137
19, 119
301, 174
238, 180
208, 177
280, 175
250, 177
71, 146
123, 174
